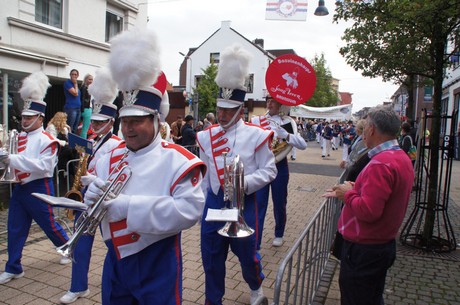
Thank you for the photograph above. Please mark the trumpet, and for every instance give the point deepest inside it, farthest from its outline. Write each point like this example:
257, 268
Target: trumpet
88, 222
234, 193
10, 146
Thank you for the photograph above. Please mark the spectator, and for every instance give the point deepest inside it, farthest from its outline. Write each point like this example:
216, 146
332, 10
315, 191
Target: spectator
209, 120
176, 129
72, 104
373, 211
189, 134
86, 107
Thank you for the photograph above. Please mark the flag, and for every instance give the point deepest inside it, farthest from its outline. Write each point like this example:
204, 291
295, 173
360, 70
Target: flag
290, 10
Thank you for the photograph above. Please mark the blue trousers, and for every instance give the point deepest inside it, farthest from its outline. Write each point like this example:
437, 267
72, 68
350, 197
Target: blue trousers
73, 118
363, 269
214, 250
82, 258
151, 276
279, 188
22, 210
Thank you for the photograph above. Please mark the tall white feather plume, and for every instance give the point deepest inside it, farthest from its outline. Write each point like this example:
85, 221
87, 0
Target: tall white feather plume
135, 59
233, 67
103, 89
34, 86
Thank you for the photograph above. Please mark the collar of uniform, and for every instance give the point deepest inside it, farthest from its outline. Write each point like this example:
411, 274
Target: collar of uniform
232, 128
382, 147
38, 130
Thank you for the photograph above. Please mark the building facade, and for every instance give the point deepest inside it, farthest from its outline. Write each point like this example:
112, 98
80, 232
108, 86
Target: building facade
56, 36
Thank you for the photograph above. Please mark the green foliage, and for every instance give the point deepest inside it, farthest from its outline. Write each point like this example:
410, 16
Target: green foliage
397, 40
207, 91
324, 94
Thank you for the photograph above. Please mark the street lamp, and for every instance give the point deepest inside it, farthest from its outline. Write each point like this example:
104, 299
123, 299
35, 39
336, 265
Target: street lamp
192, 99
321, 10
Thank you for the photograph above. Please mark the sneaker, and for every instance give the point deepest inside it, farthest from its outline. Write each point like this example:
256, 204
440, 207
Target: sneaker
323, 156
71, 297
64, 260
278, 242
5, 277
292, 158
257, 296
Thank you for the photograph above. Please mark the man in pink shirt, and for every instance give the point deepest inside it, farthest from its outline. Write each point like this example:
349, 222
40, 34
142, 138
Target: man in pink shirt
373, 211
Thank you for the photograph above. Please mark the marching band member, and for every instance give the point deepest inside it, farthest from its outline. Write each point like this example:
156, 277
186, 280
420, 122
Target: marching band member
143, 224
34, 166
235, 137
277, 120
104, 90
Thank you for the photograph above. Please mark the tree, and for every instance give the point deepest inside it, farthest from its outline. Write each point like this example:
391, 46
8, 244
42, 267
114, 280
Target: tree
324, 94
398, 40
207, 91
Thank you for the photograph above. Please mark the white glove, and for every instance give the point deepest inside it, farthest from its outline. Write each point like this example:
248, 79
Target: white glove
281, 133
87, 179
95, 191
4, 160
117, 209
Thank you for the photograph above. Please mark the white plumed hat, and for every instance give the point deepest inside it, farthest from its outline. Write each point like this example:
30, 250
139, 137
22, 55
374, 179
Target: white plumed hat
231, 76
103, 90
33, 91
135, 65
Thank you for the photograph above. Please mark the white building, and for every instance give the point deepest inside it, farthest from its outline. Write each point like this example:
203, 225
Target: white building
200, 58
56, 36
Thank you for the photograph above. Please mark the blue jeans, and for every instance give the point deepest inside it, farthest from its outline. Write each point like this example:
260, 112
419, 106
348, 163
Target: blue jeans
73, 118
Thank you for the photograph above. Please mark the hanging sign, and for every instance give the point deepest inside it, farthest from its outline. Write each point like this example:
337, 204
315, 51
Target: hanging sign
290, 80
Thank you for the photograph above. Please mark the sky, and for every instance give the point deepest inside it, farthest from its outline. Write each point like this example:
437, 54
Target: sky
184, 24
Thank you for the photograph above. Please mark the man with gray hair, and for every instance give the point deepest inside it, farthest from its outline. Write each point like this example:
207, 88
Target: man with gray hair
373, 210
209, 120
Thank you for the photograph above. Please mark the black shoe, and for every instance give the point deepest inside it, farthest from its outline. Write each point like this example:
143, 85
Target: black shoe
323, 156
292, 158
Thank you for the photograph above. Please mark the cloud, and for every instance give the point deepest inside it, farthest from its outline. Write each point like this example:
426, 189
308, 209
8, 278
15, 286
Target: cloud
184, 24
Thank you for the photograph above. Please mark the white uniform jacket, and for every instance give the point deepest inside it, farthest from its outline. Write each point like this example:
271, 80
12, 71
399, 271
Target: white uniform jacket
101, 148
250, 142
165, 195
272, 122
36, 157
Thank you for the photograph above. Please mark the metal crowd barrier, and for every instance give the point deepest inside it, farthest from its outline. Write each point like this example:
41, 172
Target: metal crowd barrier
300, 273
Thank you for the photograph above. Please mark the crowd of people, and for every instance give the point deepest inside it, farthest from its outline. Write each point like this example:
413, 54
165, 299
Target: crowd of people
167, 189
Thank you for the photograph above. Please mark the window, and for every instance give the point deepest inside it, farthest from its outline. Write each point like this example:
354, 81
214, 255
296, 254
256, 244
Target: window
214, 58
249, 83
428, 96
113, 25
49, 12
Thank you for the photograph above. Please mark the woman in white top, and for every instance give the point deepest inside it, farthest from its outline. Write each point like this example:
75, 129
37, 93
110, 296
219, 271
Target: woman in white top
58, 128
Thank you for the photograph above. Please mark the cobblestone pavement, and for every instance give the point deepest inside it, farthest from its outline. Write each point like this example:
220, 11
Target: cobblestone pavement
45, 281
415, 278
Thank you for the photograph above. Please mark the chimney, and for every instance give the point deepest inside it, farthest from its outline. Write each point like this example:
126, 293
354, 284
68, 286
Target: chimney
225, 24
259, 42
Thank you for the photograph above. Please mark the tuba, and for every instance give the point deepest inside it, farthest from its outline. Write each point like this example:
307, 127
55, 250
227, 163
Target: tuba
281, 148
234, 193
9, 144
89, 221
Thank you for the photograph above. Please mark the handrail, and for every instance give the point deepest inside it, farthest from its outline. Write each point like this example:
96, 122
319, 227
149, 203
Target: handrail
308, 257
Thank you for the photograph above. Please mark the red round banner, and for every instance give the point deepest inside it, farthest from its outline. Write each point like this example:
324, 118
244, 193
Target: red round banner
290, 80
